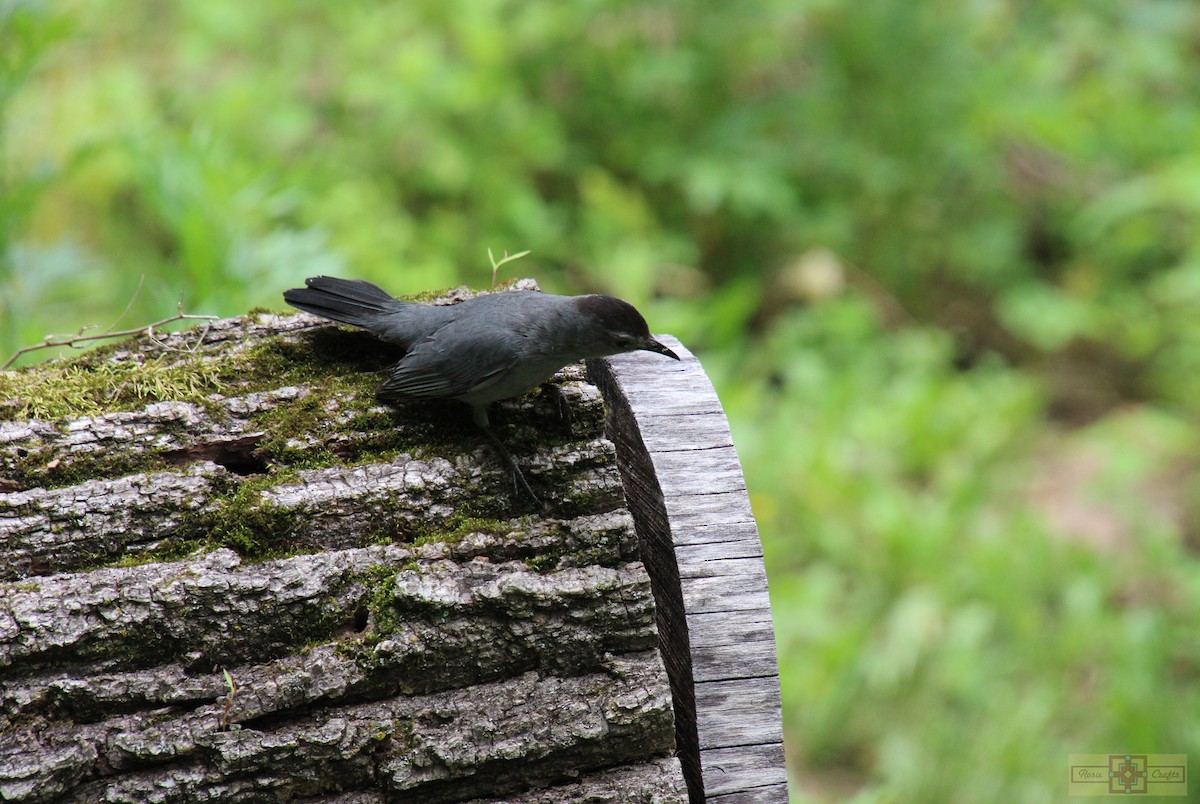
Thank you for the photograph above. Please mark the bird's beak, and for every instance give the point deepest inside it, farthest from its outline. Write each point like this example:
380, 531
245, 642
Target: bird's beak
652, 345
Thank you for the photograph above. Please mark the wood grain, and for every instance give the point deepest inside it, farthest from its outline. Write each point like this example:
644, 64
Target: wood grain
701, 546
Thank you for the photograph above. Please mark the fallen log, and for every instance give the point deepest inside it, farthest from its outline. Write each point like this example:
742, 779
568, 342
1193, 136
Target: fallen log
231, 574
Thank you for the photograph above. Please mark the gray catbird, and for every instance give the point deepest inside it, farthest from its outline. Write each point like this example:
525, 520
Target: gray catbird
489, 347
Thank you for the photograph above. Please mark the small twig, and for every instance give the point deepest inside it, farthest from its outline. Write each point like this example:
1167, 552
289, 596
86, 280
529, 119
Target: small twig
136, 292
504, 259
73, 341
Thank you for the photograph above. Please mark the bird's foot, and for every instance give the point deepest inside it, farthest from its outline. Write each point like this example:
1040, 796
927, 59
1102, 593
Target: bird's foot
520, 483
518, 477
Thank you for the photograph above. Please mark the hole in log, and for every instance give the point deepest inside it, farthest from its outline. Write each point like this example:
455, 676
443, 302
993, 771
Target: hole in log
361, 619
239, 455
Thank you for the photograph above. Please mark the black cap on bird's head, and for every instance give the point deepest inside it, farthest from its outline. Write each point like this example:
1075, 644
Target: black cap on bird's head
622, 323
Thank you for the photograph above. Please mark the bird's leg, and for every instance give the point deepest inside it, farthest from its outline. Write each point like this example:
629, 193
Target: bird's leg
518, 477
514, 468
556, 395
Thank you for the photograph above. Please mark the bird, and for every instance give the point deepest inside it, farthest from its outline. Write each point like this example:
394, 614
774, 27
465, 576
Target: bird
490, 347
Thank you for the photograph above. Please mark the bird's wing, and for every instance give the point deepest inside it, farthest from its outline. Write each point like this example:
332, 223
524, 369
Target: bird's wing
450, 363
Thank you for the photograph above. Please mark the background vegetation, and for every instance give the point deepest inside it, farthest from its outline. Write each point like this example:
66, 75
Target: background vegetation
941, 259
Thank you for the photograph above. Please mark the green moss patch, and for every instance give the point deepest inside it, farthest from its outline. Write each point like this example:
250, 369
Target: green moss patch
84, 387
457, 527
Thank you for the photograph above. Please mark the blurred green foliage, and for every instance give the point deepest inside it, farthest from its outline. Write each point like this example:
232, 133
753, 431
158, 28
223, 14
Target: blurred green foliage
941, 259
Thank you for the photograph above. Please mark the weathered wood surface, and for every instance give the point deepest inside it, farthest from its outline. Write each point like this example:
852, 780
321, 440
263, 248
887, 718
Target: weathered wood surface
699, 540
275, 592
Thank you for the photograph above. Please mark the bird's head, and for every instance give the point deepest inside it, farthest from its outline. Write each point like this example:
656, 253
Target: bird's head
616, 326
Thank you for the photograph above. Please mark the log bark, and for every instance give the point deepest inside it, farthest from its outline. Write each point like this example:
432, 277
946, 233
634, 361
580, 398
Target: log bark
229, 574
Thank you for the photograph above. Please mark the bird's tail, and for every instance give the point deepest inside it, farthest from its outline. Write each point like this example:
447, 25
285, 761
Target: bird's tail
347, 301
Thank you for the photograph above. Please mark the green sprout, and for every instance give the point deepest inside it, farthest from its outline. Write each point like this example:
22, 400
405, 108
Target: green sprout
503, 260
